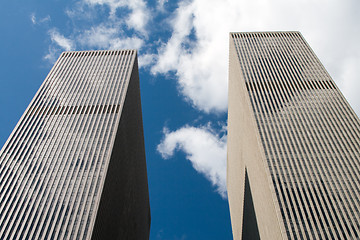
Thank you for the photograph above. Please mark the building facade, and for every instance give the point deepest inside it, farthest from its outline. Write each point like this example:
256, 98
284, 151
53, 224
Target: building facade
74, 166
293, 143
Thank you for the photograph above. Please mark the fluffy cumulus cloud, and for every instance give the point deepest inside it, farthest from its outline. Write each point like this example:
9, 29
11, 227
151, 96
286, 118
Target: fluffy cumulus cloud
197, 52
139, 13
58, 43
204, 148
59, 39
161, 5
106, 37
146, 60
198, 48
123, 27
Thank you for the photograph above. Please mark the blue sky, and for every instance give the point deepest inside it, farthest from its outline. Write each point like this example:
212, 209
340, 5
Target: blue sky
183, 57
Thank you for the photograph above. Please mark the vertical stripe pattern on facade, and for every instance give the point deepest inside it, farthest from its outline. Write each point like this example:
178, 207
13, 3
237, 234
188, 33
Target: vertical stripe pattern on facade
309, 134
53, 165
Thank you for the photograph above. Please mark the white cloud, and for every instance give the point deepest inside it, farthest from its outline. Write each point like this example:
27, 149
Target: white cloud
59, 44
146, 59
110, 33
63, 42
205, 149
104, 37
160, 5
113, 4
198, 48
35, 21
33, 18
52, 55
351, 81
137, 19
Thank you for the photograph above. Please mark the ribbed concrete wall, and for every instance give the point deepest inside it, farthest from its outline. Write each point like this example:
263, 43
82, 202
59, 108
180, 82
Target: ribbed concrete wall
54, 164
309, 137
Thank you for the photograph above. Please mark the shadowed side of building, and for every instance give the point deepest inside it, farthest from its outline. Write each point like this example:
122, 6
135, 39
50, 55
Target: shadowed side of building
124, 210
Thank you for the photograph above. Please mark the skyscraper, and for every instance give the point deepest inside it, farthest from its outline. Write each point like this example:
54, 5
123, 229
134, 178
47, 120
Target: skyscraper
74, 166
293, 143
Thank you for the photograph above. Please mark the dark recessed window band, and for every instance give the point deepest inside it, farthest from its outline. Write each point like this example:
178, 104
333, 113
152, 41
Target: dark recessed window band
69, 110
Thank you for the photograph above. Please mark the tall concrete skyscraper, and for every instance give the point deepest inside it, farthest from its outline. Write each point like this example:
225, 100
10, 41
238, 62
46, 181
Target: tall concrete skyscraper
74, 166
293, 143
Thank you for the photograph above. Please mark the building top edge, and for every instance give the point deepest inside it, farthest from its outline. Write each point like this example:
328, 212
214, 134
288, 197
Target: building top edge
90, 51
261, 32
